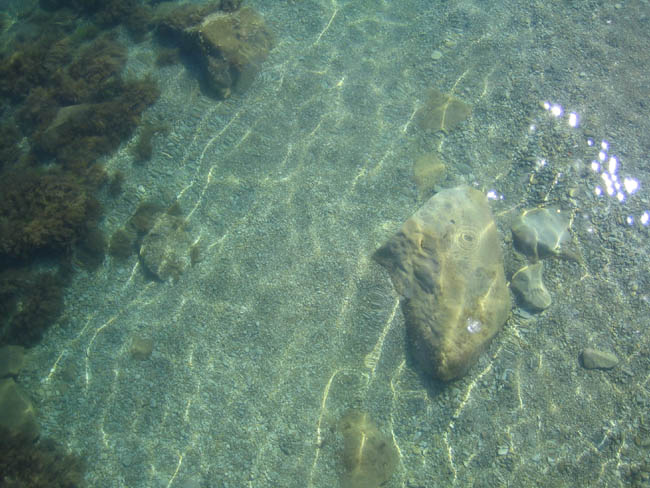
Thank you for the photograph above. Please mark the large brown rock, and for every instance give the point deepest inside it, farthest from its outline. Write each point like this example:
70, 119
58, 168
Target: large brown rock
446, 262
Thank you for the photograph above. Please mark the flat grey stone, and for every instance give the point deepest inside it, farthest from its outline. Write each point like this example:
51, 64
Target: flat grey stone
530, 290
595, 359
540, 232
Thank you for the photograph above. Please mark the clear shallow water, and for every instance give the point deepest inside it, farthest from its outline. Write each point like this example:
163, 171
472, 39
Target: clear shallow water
286, 322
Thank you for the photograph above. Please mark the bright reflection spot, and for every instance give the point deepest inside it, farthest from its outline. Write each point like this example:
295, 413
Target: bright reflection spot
606, 166
609, 184
532, 128
631, 185
493, 195
645, 218
613, 164
473, 325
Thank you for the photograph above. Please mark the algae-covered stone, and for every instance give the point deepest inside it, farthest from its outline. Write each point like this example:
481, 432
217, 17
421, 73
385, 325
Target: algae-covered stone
228, 43
446, 262
233, 45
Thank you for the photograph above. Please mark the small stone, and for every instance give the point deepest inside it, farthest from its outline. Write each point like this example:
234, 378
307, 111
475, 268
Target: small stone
141, 348
540, 232
530, 290
369, 456
428, 171
165, 250
441, 112
595, 359
436, 55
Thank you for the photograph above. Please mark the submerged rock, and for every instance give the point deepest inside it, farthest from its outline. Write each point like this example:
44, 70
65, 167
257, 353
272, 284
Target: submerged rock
369, 456
227, 42
528, 286
446, 262
441, 112
165, 250
429, 171
540, 232
595, 359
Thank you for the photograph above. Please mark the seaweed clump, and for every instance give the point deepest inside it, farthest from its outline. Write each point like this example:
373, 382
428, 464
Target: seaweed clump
135, 16
43, 464
44, 210
64, 103
143, 149
29, 303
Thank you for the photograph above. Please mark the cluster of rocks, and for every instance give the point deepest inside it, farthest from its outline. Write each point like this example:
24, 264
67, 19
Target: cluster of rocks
538, 233
447, 265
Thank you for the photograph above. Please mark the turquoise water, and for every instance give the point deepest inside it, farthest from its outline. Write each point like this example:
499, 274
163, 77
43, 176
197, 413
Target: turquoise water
285, 322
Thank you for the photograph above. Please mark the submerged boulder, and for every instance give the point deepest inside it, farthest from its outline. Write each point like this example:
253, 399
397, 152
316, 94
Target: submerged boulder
446, 263
228, 43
